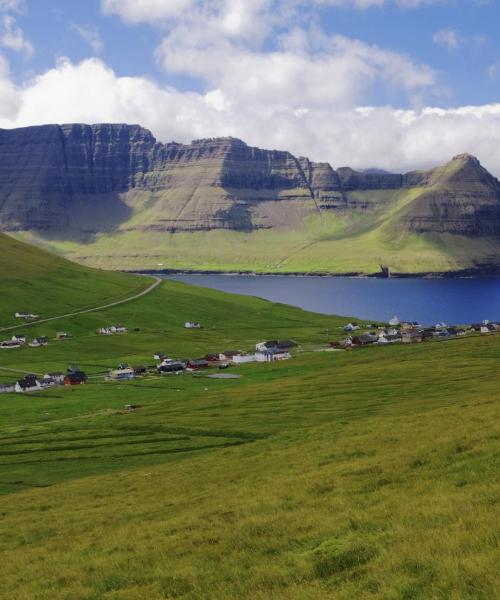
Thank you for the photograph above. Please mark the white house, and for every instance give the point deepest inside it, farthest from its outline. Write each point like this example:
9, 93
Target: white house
21, 339
394, 321
7, 388
28, 384
192, 325
351, 327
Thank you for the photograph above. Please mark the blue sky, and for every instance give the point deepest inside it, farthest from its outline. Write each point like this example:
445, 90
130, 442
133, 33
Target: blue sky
397, 83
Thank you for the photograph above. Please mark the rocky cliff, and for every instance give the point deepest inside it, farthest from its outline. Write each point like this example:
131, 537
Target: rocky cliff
97, 178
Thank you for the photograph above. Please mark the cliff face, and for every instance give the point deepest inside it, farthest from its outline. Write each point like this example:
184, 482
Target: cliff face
460, 197
95, 178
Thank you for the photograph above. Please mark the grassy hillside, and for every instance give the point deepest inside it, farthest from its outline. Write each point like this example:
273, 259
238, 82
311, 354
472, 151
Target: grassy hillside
44, 284
344, 475
365, 474
335, 242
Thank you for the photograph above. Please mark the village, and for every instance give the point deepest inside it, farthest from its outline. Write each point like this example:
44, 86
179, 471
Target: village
396, 331
358, 335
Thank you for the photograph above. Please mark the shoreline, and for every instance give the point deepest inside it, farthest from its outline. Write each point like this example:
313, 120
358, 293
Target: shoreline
472, 273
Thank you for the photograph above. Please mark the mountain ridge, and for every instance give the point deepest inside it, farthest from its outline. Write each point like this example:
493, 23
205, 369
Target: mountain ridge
78, 184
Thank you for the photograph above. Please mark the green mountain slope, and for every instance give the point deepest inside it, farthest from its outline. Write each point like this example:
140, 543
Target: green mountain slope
36, 281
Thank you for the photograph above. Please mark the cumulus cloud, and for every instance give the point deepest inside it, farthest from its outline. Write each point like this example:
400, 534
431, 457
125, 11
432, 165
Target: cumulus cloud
153, 11
361, 137
90, 34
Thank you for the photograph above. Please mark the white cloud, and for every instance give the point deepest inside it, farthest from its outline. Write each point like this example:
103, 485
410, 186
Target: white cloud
360, 137
237, 11
146, 11
12, 37
449, 38
90, 34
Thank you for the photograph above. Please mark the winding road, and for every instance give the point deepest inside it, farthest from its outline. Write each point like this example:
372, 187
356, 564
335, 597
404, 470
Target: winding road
145, 292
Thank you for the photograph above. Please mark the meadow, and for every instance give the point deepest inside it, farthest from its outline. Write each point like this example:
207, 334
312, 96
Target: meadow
364, 474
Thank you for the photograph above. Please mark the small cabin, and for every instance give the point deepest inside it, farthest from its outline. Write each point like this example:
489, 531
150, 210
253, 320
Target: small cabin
192, 325
122, 374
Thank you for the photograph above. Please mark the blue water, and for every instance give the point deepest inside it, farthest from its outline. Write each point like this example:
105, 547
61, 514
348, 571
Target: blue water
454, 301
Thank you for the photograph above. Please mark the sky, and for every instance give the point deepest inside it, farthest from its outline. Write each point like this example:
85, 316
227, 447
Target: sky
393, 84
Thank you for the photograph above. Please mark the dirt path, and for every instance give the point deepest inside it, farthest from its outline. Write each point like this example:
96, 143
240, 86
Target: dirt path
145, 292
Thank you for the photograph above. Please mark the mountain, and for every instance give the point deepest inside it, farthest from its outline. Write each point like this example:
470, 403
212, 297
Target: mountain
113, 195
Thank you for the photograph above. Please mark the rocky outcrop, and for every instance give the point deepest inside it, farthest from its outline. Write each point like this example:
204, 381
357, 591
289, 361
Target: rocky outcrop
97, 178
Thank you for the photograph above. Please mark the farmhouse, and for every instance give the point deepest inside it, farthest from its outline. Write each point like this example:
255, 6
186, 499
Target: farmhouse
275, 344
411, 337
351, 327
7, 388
39, 341
21, 339
75, 377
171, 366
262, 346
192, 325
62, 335
365, 339
30, 383
272, 355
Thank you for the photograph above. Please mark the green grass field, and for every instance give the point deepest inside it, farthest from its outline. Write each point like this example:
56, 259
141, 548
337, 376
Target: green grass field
365, 474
